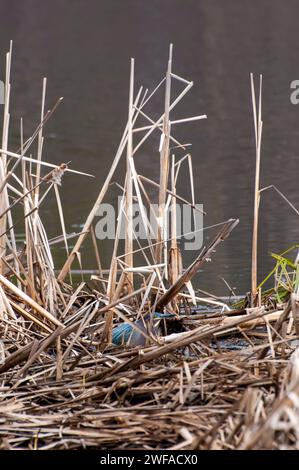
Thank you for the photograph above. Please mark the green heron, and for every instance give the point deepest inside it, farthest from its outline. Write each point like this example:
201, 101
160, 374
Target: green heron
127, 334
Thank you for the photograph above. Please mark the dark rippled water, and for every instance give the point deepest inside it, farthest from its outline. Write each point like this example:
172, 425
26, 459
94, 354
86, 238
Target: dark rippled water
84, 49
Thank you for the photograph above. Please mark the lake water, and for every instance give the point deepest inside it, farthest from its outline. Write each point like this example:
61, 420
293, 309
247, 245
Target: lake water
84, 49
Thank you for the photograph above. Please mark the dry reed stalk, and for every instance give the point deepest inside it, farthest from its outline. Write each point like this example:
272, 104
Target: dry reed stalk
111, 288
28, 300
171, 193
160, 120
295, 311
30, 317
193, 268
174, 256
21, 157
4, 202
164, 168
258, 126
40, 140
97, 256
129, 186
3, 169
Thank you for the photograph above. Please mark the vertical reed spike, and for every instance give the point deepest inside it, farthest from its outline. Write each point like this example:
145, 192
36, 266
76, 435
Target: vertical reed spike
129, 186
258, 136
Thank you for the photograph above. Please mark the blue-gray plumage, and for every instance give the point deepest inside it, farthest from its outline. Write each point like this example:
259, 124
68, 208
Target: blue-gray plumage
125, 333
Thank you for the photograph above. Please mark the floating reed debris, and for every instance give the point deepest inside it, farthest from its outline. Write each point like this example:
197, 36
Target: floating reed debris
222, 378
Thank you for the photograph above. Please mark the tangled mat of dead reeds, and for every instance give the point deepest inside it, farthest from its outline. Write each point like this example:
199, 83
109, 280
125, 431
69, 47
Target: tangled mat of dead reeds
215, 379
60, 391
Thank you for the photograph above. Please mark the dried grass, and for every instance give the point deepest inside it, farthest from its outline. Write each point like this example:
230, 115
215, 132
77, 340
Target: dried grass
219, 379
